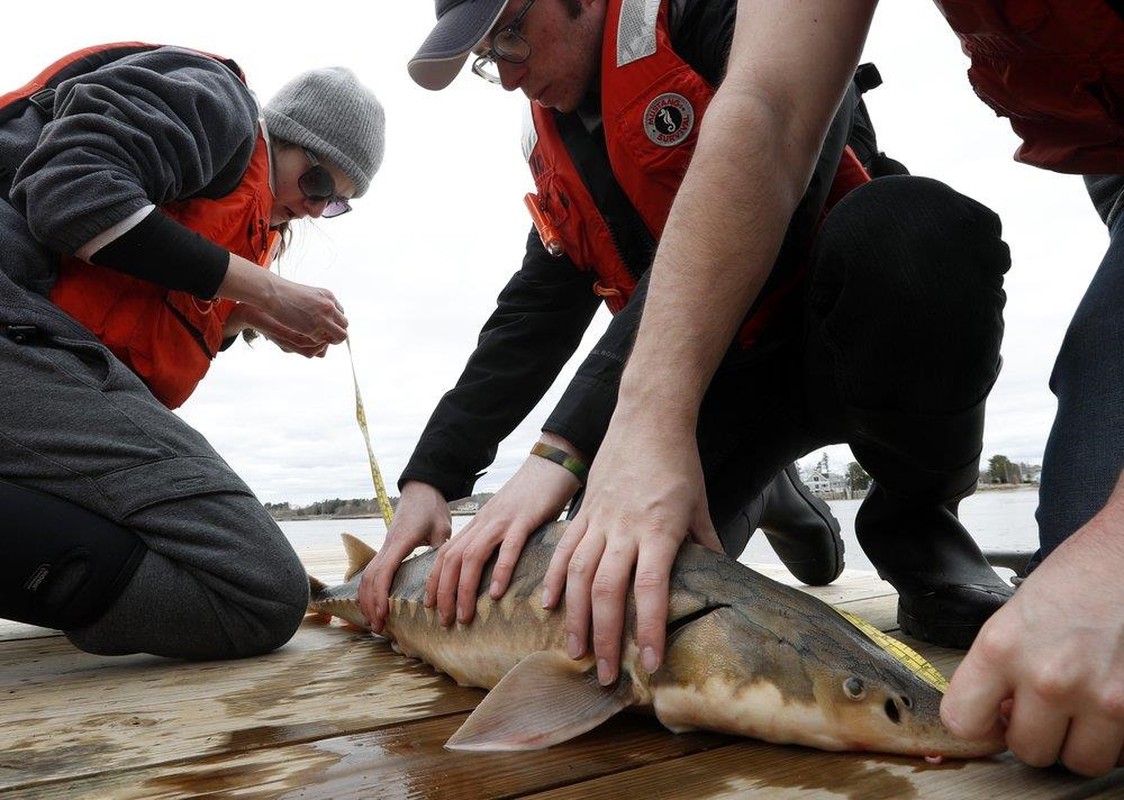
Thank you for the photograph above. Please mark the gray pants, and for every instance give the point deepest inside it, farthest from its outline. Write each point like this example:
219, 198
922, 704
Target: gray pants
219, 579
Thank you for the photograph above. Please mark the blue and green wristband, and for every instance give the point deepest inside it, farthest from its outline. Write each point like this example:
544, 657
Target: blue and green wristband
573, 464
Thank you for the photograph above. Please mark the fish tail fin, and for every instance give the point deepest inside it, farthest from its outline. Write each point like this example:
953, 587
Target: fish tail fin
316, 589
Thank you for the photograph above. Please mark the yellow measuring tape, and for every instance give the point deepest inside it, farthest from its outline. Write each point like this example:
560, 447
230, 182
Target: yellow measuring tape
376, 475
913, 660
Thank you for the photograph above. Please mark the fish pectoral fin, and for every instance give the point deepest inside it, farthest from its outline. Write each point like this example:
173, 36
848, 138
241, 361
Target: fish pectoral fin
545, 699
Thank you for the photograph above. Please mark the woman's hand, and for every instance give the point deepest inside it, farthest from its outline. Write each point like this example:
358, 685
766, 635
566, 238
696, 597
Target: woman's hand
246, 317
301, 316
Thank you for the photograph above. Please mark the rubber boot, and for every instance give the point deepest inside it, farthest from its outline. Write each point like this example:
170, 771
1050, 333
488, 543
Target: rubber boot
946, 588
801, 529
923, 464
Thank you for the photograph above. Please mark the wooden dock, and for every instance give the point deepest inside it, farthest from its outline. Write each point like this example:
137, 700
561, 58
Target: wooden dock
337, 714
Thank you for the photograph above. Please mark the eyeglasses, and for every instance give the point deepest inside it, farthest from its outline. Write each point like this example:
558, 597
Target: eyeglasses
318, 186
508, 45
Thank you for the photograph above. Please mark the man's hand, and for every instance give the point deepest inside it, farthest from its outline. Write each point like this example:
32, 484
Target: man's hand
645, 495
422, 517
536, 494
1050, 664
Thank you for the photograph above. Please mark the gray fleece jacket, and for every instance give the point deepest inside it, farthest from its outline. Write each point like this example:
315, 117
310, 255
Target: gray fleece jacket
146, 129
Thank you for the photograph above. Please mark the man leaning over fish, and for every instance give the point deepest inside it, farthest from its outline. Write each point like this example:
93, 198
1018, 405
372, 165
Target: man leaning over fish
879, 326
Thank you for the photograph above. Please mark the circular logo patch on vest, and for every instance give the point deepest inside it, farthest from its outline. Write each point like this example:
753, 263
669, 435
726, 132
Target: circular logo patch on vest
668, 119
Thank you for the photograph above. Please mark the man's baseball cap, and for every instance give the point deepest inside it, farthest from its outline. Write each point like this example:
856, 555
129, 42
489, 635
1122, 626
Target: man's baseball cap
461, 25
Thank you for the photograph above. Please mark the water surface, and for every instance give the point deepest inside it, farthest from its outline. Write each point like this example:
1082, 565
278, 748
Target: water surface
998, 519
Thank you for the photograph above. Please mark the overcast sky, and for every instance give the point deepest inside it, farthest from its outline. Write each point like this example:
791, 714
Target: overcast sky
418, 263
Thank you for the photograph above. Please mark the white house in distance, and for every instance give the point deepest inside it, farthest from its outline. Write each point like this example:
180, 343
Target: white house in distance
464, 507
827, 484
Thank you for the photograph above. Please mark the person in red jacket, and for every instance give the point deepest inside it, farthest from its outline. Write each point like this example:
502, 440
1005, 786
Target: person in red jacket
142, 191
1049, 667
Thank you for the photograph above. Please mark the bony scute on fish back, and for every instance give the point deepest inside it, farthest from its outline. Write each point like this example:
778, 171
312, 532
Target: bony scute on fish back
744, 655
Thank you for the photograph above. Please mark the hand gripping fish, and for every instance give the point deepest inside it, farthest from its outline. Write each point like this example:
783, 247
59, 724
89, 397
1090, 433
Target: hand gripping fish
744, 655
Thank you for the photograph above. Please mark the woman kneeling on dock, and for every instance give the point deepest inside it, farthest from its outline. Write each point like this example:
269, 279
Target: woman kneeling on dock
144, 191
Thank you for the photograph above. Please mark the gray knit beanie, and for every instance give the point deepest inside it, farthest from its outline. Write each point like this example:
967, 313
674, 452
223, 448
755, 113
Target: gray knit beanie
336, 117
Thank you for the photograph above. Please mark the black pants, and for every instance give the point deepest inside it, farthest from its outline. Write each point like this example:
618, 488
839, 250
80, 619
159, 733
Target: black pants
895, 353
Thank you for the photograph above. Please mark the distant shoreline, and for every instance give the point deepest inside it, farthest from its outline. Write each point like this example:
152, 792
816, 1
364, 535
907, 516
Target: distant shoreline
322, 517
983, 487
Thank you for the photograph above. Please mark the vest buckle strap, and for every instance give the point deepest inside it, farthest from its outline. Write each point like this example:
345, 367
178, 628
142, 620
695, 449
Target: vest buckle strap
44, 100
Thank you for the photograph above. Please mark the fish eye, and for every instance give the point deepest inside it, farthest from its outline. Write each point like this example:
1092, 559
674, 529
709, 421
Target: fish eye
892, 711
853, 688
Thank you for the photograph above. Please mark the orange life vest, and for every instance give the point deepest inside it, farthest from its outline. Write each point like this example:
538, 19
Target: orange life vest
168, 337
1055, 68
652, 102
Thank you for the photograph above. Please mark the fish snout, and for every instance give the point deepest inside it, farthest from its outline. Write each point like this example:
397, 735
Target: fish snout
902, 719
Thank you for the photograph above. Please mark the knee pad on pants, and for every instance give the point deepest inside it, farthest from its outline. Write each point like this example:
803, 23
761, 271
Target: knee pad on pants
63, 565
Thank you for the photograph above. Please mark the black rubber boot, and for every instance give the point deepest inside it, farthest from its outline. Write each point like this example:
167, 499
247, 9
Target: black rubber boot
801, 529
923, 464
946, 588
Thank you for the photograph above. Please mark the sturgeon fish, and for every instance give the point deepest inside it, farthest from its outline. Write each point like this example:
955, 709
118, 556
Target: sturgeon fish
745, 655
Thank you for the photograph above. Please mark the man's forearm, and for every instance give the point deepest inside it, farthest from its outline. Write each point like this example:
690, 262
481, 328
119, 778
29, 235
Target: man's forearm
720, 243
756, 150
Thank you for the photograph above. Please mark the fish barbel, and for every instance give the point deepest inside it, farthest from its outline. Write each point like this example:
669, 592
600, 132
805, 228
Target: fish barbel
744, 655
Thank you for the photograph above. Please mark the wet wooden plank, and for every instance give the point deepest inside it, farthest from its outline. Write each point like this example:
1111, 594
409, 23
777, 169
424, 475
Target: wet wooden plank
79, 714
403, 761
326, 562
630, 756
753, 769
